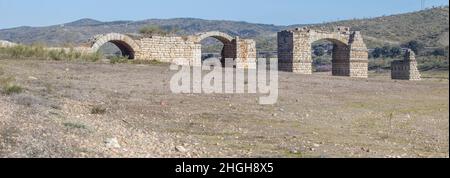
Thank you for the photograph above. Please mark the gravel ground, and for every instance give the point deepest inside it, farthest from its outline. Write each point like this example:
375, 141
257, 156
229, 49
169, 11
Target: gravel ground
74, 109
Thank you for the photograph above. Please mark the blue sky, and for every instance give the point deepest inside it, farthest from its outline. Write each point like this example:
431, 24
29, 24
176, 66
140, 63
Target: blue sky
15, 13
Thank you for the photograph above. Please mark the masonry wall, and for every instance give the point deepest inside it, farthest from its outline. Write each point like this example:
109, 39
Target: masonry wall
182, 51
168, 49
245, 53
285, 51
294, 52
341, 63
405, 69
359, 56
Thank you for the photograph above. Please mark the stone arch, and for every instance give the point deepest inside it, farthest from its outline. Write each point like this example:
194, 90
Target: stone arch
222, 37
229, 44
350, 54
340, 56
126, 44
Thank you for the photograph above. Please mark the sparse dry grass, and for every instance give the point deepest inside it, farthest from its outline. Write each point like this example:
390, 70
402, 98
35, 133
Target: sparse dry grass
8, 86
316, 116
40, 52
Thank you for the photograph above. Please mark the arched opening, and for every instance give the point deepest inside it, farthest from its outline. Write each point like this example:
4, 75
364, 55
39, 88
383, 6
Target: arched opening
212, 49
216, 49
330, 56
321, 52
116, 48
114, 45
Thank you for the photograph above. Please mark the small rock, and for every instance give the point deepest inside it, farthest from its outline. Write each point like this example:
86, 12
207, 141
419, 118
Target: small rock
112, 143
180, 149
274, 114
32, 78
365, 150
316, 145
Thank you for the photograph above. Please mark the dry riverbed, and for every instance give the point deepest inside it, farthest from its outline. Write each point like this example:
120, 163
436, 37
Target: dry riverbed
74, 109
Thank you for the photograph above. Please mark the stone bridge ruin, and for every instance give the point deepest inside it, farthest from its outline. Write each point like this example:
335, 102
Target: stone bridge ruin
349, 56
177, 49
405, 69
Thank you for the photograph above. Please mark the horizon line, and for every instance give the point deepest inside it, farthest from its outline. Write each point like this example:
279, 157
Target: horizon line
230, 20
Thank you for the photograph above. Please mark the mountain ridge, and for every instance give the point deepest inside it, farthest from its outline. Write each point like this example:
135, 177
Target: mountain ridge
428, 26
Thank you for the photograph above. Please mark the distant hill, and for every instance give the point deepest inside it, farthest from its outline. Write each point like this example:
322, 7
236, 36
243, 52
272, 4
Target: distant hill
430, 27
81, 30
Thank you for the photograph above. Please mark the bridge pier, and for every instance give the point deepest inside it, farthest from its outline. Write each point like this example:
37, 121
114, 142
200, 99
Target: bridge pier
350, 55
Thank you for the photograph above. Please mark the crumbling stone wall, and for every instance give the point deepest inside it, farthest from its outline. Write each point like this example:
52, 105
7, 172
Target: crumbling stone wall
245, 53
179, 50
406, 69
350, 54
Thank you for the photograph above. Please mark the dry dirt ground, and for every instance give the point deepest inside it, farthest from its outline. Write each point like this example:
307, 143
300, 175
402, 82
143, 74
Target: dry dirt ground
75, 109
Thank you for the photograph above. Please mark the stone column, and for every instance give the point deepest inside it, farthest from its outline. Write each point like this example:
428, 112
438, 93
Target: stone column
294, 51
197, 55
359, 56
341, 60
245, 53
285, 51
406, 69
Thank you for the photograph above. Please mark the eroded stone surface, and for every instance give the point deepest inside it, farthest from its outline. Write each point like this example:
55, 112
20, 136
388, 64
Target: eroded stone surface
406, 69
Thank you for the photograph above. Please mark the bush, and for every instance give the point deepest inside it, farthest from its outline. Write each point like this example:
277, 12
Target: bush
153, 30
438, 52
12, 89
415, 46
319, 51
386, 51
395, 52
98, 110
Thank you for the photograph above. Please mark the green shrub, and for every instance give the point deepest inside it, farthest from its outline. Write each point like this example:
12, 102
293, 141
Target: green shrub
98, 110
157, 30
12, 89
